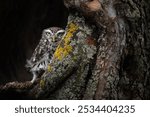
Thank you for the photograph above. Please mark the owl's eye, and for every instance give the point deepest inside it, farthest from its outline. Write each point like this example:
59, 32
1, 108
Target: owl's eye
60, 33
48, 33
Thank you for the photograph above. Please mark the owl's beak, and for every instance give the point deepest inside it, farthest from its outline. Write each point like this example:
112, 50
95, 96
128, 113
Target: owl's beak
53, 39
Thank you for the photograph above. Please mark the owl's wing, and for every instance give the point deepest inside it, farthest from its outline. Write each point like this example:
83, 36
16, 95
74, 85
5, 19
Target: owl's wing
39, 52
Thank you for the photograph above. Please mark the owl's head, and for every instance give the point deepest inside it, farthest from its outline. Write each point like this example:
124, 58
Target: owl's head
53, 34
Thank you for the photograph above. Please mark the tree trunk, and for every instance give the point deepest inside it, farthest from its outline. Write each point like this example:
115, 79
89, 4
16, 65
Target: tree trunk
121, 68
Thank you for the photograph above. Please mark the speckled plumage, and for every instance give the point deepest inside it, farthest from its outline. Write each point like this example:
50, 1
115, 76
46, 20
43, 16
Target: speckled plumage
44, 51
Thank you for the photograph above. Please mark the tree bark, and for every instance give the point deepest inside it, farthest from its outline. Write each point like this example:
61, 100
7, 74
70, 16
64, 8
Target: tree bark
121, 68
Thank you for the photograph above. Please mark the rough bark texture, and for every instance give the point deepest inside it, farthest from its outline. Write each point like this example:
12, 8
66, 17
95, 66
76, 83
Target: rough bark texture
121, 66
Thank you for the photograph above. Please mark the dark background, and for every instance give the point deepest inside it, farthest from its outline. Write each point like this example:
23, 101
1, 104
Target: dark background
21, 25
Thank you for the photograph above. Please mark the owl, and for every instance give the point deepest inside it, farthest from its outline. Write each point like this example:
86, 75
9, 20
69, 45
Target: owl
44, 51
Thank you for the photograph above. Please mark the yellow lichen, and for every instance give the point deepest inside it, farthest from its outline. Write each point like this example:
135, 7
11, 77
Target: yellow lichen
49, 68
42, 84
62, 52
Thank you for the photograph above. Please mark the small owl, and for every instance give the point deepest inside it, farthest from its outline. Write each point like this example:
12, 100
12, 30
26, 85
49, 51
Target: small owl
44, 51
